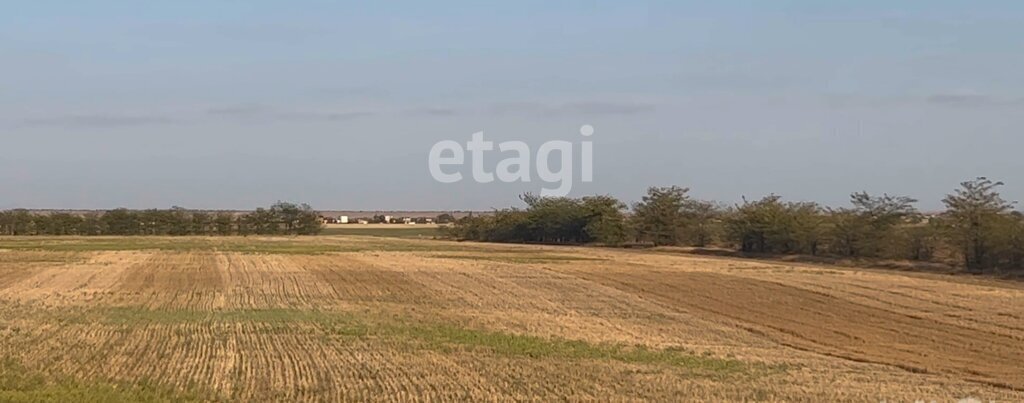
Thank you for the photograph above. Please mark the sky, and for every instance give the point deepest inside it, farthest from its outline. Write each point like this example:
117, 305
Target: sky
238, 104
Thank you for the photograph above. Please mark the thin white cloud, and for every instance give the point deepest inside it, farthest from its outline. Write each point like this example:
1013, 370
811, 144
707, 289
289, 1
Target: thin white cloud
95, 121
434, 111
256, 112
971, 100
588, 108
605, 108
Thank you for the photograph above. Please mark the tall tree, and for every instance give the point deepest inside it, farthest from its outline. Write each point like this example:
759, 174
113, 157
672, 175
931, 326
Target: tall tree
224, 223
659, 218
18, 222
973, 212
202, 223
701, 218
555, 219
605, 219
307, 221
863, 229
770, 225
121, 222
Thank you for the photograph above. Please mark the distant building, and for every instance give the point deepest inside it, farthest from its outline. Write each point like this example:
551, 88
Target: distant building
343, 219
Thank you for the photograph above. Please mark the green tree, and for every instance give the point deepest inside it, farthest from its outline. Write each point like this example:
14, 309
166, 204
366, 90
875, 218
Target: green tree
605, 220
917, 240
308, 221
224, 223
751, 224
291, 219
121, 222
770, 225
807, 224
18, 222
39, 225
506, 225
91, 224
559, 220
555, 219
868, 226
1010, 236
701, 222
659, 218
471, 228
973, 213
62, 224
202, 223
179, 221
262, 222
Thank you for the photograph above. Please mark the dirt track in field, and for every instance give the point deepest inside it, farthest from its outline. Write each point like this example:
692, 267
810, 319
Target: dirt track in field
409, 319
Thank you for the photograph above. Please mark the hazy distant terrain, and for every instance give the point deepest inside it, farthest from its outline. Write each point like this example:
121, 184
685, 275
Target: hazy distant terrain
328, 213
397, 213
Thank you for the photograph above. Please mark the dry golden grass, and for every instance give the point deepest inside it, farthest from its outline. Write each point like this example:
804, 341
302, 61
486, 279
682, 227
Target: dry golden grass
361, 318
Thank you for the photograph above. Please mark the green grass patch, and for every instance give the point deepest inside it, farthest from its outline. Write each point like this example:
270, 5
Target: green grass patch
18, 384
434, 336
41, 257
428, 335
446, 337
404, 333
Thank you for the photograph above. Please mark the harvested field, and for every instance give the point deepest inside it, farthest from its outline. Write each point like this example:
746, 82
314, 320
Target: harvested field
370, 318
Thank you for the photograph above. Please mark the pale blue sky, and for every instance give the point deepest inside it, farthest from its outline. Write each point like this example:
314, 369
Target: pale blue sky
235, 104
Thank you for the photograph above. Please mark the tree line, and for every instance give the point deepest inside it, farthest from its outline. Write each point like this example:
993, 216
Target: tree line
978, 229
279, 219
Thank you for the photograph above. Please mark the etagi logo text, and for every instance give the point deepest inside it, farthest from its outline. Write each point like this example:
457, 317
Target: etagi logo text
517, 166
